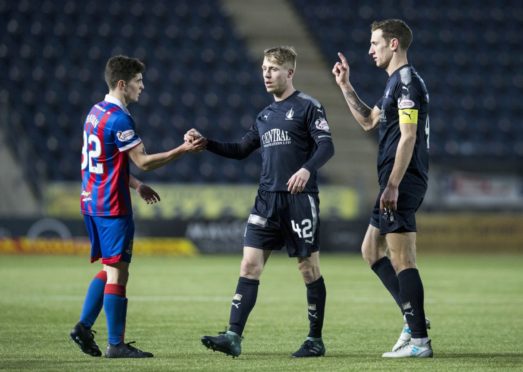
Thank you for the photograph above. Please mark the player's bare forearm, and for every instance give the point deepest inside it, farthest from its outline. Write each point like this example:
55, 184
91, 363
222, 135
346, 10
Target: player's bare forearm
134, 182
401, 162
356, 105
148, 162
155, 161
146, 192
358, 108
364, 115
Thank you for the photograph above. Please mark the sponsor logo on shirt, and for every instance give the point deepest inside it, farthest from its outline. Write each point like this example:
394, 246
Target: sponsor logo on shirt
322, 124
125, 136
404, 103
276, 137
86, 196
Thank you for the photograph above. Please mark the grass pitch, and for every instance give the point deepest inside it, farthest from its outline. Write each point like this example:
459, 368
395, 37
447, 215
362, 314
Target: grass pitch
475, 304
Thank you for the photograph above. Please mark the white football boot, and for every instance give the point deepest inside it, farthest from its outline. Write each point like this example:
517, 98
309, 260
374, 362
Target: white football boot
412, 351
405, 335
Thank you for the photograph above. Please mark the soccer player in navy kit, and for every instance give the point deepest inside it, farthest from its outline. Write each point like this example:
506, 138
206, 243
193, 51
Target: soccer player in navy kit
403, 120
110, 139
295, 141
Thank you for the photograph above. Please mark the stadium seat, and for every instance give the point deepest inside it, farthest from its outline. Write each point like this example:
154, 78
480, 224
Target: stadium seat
463, 53
198, 73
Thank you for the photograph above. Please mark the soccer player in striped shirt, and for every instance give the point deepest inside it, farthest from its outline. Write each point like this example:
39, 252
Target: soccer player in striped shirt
109, 140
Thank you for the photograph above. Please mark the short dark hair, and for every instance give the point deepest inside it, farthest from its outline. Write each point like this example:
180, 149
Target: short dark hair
122, 68
394, 28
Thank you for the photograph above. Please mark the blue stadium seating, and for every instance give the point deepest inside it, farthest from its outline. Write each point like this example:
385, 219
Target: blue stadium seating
199, 74
467, 53
52, 55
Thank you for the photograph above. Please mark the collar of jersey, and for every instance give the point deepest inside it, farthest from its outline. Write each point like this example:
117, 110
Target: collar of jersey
117, 102
277, 103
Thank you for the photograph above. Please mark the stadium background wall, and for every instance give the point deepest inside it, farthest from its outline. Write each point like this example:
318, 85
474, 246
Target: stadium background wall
442, 232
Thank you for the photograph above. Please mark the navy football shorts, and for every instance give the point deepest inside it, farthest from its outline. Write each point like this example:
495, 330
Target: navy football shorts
280, 219
111, 238
404, 218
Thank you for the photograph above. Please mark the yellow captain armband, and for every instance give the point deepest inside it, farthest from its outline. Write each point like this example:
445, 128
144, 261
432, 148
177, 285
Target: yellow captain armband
408, 116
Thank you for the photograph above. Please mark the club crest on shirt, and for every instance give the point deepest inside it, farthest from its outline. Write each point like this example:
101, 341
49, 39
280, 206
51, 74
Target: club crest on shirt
289, 115
322, 124
125, 136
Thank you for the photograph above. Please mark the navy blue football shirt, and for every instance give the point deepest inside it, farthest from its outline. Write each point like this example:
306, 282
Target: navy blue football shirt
405, 101
292, 134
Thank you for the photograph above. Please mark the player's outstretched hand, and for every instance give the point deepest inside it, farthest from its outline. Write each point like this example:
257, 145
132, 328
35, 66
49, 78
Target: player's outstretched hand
298, 180
194, 141
341, 71
191, 135
148, 194
195, 145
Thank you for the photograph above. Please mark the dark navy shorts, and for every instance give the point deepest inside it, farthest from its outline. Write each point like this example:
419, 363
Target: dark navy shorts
280, 219
111, 238
404, 218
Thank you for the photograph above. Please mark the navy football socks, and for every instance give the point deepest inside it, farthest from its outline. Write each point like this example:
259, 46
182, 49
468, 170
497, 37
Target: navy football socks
316, 297
384, 270
412, 297
242, 303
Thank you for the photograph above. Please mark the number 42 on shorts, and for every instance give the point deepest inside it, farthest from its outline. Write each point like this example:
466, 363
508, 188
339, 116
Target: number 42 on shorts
303, 229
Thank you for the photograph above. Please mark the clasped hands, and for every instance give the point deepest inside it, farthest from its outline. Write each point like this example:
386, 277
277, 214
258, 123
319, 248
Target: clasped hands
195, 139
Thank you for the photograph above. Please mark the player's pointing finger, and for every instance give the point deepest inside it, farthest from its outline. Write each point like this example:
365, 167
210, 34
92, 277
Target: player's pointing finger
342, 59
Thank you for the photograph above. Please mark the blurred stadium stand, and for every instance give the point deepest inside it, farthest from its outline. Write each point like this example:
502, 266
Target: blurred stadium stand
467, 53
52, 54
200, 73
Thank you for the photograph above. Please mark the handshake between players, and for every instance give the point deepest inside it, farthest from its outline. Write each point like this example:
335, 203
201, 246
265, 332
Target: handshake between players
194, 137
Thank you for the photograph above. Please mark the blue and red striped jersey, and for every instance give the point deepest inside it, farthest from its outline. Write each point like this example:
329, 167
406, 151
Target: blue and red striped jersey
109, 132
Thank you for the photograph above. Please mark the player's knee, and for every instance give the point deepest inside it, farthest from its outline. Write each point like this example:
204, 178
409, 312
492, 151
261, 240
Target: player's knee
117, 275
310, 276
368, 254
309, 272
401, 265
250, 269
402, 259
